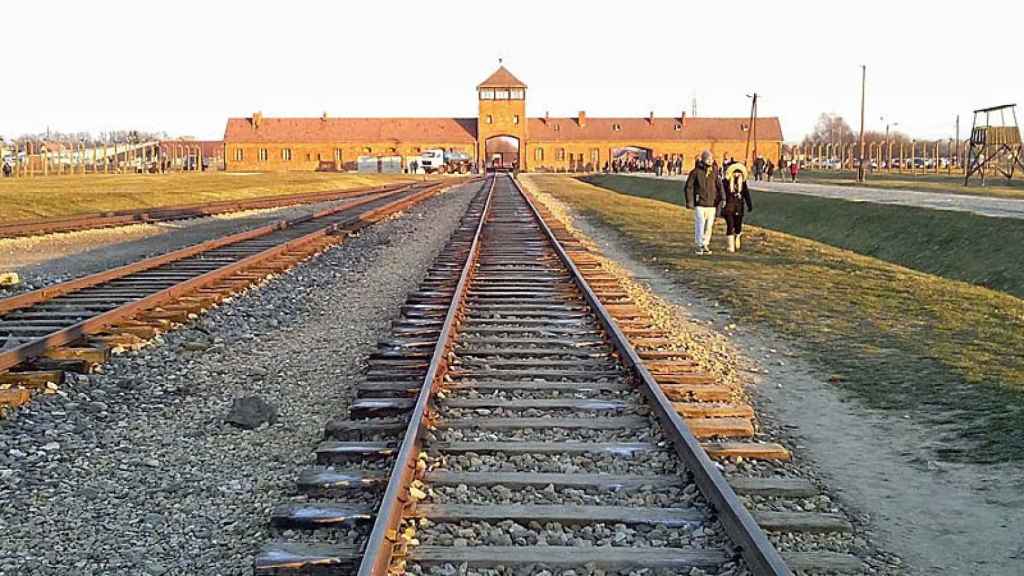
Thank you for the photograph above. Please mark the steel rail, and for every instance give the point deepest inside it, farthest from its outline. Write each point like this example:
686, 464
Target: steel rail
179, 212
64, 336
50, 292
380, 544
761, 556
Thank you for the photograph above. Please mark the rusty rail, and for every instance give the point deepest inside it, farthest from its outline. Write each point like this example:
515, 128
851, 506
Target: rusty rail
349, 216
389, 515
761, 555
180, 212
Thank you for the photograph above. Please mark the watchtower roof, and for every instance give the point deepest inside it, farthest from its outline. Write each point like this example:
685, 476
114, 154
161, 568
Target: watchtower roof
995, 108
502, 78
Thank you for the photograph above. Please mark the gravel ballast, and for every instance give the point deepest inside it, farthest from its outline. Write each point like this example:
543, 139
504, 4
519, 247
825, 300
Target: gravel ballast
51, 258
135, 471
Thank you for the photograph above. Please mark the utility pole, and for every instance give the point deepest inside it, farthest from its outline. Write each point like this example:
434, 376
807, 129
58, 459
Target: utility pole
752, 131
863, 82
956, 153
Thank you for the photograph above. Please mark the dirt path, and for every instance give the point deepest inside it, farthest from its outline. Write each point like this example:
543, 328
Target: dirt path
984, 206
940, 518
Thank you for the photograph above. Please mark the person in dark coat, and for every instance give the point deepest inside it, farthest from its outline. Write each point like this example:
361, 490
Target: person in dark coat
737, 197
704, 195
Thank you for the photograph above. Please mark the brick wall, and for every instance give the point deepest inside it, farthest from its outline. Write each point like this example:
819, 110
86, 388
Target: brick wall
307, 157
562, 156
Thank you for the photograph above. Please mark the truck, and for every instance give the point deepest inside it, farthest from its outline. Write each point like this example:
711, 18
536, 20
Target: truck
444, 162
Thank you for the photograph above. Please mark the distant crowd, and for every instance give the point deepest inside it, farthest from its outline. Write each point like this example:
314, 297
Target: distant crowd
672, 165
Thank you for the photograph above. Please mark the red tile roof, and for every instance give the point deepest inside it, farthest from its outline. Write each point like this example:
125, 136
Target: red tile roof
308, 130
502, 78
703, 129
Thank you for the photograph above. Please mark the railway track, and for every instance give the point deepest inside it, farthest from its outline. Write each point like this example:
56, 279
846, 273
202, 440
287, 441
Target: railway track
168, 213
74, 325
524, 416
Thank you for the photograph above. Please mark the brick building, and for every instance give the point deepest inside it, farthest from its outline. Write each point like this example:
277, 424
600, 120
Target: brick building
501, 132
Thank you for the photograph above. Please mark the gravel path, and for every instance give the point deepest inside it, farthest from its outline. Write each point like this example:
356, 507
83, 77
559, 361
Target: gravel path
51, 258
995, 207
134, 472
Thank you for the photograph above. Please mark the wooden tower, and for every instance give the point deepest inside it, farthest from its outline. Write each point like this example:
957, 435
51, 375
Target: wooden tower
995, 143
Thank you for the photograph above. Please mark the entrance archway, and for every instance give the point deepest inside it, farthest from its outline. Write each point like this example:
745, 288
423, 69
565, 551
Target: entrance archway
501, 152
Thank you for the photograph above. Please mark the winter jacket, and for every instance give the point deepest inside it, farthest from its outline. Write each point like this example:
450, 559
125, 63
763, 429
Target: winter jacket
703, 187
734, 201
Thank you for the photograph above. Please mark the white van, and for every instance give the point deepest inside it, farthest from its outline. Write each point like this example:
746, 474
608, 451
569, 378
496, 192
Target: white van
432, 160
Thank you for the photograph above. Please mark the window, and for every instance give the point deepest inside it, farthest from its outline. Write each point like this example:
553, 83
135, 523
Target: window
337, 154
501, 94
538, 154
561, 154
239, 155
556, 128
515, 119
487, 93
263, 154
595, 155
490, 119
616, 127
367, 150
517, 94
309, 156
677, 127
286, 154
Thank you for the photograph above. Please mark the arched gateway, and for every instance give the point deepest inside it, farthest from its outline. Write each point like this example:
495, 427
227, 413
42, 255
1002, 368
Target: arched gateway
501, 152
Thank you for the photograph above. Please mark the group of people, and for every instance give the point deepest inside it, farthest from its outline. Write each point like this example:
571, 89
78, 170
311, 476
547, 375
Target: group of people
660, 166
766, 169
711, 191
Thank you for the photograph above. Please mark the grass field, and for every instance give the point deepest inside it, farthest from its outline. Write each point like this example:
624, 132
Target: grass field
997, 187
55, 196
955, 245
943, 352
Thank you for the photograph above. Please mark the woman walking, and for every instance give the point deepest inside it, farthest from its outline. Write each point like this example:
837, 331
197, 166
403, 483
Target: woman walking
737, 197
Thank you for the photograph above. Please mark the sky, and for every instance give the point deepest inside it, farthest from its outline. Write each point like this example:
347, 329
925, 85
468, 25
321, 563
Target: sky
184, 67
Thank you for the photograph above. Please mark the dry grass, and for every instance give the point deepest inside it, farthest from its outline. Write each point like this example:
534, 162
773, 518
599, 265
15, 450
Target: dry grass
56, 196
945, 352
978, 249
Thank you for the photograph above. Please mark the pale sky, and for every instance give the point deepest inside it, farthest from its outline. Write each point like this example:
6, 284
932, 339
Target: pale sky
185, 66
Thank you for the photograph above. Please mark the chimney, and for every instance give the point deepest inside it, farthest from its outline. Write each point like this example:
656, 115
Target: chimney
324, 117
547, 117
651, 118
582, 119
257, 119
682, 119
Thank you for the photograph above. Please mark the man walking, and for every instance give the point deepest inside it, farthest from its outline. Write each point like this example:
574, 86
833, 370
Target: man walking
703, 194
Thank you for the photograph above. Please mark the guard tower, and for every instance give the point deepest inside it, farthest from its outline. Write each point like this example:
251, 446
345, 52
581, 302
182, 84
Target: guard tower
995, 143
501, 125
